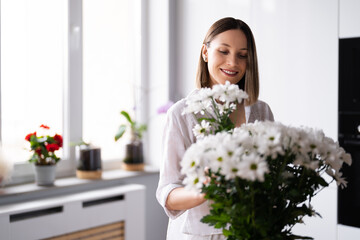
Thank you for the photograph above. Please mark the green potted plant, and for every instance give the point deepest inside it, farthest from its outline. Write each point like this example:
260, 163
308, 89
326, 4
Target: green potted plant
43, 147
134, 157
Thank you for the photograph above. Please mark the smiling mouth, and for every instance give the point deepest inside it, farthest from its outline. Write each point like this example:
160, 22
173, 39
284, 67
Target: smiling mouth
229, 72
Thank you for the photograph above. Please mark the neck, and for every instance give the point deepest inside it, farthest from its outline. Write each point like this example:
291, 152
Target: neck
238, 116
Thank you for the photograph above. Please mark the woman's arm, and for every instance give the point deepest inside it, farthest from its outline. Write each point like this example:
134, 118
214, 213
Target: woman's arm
183, 199
177, 138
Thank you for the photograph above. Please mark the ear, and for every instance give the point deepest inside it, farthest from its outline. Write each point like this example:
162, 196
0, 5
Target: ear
204, 52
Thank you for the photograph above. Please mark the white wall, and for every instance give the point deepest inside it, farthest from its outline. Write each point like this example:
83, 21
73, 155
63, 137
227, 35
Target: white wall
349, 24
298, 50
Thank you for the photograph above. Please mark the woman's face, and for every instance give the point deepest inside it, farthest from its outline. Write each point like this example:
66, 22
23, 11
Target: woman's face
227, 57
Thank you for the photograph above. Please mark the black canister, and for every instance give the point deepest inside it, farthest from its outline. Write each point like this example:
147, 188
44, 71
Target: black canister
89, 158
134, 152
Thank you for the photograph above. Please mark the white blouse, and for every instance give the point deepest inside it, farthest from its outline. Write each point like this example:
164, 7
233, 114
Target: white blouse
177, 137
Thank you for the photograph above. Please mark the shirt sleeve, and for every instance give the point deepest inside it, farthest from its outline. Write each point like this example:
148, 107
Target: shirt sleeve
264, 111
175, 141
268, 113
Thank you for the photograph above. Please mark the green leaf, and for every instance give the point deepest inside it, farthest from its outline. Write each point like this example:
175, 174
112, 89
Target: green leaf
142, 127
33, 138
139, 129
322, 182
120, 132
34, 158
127, 116
206, 119
217, 220
299, 237
227, 233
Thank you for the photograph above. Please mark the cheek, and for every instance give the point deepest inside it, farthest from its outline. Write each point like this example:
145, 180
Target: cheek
215, 63
243, 66
216, 58
212, 65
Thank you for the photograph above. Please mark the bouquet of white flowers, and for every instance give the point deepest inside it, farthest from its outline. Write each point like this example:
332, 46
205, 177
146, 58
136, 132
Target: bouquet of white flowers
214, 105
261, 176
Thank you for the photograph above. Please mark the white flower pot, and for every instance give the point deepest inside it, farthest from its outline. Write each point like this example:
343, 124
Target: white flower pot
45, 175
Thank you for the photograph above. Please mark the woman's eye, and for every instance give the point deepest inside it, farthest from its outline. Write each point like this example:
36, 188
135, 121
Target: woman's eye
223, 52
242, 56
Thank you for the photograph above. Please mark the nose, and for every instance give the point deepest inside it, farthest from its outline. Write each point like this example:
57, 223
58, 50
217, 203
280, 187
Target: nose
232, 60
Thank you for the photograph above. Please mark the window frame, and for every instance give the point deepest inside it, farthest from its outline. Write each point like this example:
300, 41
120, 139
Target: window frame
72, 89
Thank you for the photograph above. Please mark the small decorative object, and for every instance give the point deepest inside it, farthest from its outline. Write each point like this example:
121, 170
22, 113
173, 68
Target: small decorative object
44, 157
88, 161
134, 156
260, 178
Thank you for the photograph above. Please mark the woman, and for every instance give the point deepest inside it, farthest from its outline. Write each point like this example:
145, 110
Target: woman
228, 53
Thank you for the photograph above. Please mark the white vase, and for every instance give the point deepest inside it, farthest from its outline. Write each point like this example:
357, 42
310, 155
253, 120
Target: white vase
45, 174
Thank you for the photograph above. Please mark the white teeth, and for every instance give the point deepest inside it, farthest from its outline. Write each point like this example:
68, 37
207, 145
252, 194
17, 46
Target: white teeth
228, 72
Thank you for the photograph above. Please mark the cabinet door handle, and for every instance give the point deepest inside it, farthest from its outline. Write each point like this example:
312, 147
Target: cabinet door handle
102, 201
34, 214
352, 143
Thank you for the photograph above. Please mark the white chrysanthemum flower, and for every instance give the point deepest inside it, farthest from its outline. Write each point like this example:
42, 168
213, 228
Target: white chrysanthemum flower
333, 157
201, 130
242, 132
307, 163
193, 107
269, 140
230, 167
346, 157
221, 108
252, 167
290, 139
339, 180
312, 141
229, 93
229, 142
299, 160
199, 102
192, 159
194, 181
218, 158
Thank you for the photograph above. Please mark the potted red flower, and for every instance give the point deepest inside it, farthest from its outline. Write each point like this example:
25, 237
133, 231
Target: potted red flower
44, 157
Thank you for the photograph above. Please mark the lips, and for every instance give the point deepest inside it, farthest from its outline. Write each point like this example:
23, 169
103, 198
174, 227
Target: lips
229, 72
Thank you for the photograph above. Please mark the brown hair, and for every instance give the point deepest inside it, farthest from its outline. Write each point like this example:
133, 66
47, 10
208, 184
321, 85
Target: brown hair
250, 82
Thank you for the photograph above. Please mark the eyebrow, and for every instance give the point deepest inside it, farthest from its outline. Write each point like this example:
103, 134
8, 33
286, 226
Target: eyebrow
227, 45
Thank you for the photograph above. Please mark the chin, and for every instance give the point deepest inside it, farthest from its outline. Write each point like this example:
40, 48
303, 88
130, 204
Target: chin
222, 81
231, 81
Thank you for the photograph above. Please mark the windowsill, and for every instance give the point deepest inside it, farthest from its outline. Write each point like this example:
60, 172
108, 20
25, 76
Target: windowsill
30, 191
